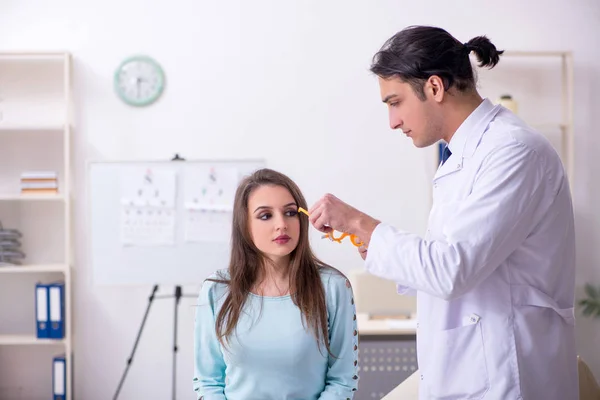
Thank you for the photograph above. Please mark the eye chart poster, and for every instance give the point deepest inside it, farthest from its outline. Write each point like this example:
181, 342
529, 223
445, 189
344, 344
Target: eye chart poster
148, 207
208, 198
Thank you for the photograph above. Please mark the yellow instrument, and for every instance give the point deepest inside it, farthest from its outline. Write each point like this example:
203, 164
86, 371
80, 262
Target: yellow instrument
353, 238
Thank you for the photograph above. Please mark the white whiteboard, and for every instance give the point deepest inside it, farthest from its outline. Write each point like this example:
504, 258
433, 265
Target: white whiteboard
160, 253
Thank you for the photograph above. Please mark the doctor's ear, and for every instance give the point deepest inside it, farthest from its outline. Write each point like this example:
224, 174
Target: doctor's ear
434, 88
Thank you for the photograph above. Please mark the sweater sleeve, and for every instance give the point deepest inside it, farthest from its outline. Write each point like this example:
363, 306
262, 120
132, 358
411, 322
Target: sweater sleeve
209, 365
342, 375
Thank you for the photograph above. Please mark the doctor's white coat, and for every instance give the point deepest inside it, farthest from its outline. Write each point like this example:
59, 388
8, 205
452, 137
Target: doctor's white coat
495, 273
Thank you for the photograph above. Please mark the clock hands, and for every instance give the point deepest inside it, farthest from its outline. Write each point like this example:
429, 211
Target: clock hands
139, 81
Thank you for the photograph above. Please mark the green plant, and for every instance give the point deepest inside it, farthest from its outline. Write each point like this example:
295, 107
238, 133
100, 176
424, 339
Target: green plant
591, 303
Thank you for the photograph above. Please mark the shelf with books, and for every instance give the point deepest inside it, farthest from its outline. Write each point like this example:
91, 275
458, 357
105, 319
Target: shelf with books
29, 161
35, 201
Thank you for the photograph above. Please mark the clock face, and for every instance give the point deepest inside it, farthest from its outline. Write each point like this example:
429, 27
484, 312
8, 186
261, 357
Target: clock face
139, 81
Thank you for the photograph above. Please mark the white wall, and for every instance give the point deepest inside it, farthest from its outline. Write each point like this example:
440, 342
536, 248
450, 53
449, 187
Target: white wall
265, 79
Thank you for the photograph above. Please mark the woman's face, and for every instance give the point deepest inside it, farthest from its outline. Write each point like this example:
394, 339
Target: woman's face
273, 221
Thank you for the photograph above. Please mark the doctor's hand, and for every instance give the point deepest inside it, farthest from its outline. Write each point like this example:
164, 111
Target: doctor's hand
331, 213
362, 250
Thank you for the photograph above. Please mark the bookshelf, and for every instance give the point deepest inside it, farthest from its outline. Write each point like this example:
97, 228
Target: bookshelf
35, 135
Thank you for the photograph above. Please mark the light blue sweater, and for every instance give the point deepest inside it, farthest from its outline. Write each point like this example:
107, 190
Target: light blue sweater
272, 356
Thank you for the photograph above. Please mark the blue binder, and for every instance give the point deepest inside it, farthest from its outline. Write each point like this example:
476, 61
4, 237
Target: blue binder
56, 295
42, 311
59, 378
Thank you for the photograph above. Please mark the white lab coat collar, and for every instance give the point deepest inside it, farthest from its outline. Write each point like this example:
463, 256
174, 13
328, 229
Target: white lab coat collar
467, 137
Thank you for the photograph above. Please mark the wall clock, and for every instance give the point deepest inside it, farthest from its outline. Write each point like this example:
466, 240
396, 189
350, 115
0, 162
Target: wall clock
139, 81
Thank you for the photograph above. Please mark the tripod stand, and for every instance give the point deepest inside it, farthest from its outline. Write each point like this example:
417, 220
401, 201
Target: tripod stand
177, 295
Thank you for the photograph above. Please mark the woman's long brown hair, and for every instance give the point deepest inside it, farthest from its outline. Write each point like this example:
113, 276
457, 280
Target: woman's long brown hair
246, 261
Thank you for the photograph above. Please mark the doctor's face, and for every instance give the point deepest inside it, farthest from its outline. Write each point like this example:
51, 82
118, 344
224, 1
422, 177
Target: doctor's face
419, 119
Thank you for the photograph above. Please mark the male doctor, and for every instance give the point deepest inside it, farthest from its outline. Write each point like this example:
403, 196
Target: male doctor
494, 274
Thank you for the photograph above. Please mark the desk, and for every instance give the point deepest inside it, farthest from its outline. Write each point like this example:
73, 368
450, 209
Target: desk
398, 327
387, 355
407, 390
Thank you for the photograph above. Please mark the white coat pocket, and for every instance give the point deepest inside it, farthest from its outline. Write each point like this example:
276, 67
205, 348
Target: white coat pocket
457, 368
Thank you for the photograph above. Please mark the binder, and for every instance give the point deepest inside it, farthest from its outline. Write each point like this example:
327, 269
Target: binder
59, 376
57, 310
41, 311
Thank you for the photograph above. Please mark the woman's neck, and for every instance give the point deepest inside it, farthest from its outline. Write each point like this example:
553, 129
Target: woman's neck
274, 278
279, 270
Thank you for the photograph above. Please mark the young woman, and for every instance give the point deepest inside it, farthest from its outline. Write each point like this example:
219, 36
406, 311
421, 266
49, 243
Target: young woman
278, 323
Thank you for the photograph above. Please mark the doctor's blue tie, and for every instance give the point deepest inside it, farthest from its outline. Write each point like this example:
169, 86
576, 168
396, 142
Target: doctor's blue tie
446, 154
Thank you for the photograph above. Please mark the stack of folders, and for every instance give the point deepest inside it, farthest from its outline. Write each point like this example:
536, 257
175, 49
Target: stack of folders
10, 247
59, 374
50, 310
39, 182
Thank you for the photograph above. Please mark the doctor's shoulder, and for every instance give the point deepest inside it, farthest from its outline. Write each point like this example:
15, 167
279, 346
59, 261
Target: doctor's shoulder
526, 159
511, 132
511, 136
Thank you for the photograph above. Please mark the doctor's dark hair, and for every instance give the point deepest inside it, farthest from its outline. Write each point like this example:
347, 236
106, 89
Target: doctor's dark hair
246, 265
418, 52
